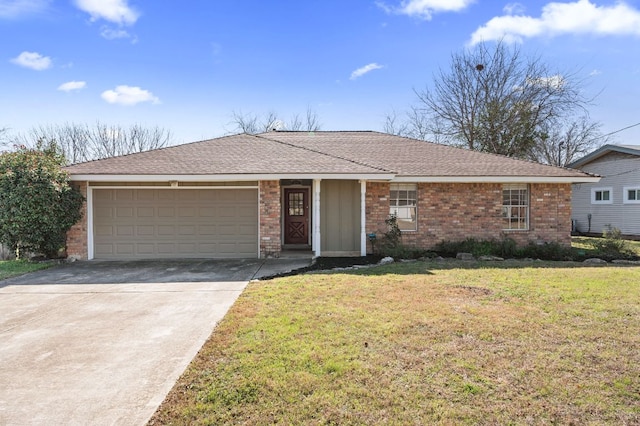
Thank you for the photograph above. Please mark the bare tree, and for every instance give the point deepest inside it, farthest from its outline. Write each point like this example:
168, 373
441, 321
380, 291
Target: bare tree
493, 99
72, 139
81, 142
252, 124
560, 144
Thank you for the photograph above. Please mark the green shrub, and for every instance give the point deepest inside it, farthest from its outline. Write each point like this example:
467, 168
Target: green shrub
546, 251
393, 237
404, 252
502, 248
37, 204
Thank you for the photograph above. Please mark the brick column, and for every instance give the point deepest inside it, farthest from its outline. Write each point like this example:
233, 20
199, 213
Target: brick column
377, 209
270, 223
77, 235
550, 213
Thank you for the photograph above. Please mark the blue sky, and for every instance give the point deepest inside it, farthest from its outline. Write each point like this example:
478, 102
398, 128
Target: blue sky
187, 66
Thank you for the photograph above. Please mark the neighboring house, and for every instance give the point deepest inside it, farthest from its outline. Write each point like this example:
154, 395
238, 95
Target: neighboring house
257, 195
615, 200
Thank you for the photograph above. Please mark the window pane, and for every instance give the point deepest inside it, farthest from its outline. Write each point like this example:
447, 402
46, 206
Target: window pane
605, 195
296, 204
633, 194
402, 205
515, 207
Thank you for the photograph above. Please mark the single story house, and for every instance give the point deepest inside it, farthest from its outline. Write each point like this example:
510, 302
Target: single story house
257, 195
614, 202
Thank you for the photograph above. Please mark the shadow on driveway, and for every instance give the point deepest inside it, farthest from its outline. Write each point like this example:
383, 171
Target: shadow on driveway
158, 271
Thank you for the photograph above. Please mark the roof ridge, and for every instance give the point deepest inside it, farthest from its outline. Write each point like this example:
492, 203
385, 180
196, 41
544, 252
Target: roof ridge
360, 163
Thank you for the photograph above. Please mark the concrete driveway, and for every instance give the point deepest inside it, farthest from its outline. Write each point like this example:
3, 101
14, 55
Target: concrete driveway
102, 343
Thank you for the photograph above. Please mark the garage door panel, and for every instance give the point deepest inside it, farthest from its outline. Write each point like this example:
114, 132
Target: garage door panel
145, 195
124, 231
103, 249
247, 230
186, 212
104, 231
227, 211
189, 230
146, 248
175, 223
166, 230
145, 230
124, 195
246, 211
207, 230
207, 212
124, 212
166, 212
124, 249
145, 212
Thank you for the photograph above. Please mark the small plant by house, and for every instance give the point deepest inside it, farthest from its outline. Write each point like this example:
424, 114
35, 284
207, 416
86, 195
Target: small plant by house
391, 244
612, 245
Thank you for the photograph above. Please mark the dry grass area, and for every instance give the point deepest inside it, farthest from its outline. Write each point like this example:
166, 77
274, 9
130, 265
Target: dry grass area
423, 343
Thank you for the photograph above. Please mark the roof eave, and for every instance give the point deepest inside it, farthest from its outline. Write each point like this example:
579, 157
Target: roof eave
601, 152
224, 177
497, 179
329, 176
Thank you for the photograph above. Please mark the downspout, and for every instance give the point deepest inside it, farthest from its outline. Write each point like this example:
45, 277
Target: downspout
363, 218
316, 243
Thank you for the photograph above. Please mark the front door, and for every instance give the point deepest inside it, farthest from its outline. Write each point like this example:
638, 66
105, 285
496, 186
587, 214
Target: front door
296, 216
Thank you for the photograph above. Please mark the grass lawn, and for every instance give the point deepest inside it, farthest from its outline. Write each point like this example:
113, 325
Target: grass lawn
11, 268
423, 343
585, 244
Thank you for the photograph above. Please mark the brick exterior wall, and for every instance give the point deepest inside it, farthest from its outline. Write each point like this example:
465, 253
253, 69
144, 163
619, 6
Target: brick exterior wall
77, 235
270, 224
456, 211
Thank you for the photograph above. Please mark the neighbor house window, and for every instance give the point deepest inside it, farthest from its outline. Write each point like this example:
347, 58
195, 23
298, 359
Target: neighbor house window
515, 206
601, 196
632, 195
402, 205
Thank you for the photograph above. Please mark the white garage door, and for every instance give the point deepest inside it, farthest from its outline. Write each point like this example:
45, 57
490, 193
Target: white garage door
175, 223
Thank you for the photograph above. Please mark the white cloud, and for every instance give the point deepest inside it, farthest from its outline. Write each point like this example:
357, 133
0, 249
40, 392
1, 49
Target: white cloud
32, 60
595, 73
17, 8
112, 34
116, 11
363, 70
553, 82
128, 95
579, 17
425, 8
109, 33
514, 9
72, 85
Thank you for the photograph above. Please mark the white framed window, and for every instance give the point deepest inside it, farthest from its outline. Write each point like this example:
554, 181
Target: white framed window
515, 207
631, 194
403, 202
601, 195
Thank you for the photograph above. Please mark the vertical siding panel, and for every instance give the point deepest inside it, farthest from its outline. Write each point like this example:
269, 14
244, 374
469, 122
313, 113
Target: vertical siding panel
340, 212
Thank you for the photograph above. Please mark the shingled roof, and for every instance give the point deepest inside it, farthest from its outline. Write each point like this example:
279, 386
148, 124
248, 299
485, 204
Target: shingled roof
353, 153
